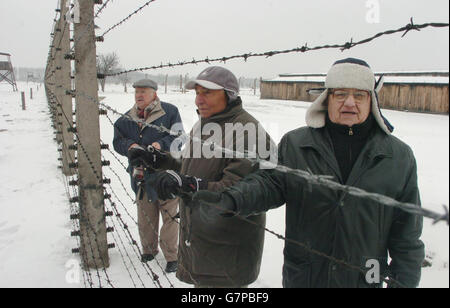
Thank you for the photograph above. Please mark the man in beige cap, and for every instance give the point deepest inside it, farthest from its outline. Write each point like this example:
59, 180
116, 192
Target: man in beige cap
221, 252
131, 137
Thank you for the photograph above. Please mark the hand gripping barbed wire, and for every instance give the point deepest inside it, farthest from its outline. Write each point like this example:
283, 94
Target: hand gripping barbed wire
322, 180
348, 45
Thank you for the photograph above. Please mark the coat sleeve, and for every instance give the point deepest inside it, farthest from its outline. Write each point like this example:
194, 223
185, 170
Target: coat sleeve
235, 170
405, 247
171, 163
175, 119
121, 142
262, 190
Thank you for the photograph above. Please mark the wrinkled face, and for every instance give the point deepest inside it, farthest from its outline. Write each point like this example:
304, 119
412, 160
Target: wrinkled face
348, 106
143, 97
210, 102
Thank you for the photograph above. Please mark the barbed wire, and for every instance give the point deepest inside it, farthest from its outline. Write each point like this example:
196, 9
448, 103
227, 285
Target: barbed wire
152, 274
386, 278
87, 28
136, 223
301, 173
123, 257
101, 8
321, 180
252, 157
348, 45
84, 216
127, 18
360, 269
86, 276
173, 218
66, 24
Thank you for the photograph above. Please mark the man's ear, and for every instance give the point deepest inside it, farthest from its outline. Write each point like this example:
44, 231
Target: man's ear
154, 96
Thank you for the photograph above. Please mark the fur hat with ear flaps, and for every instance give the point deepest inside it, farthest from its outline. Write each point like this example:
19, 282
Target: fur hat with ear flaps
348, 74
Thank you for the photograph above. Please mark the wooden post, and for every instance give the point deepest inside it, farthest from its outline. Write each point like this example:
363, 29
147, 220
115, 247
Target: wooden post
260, 83
64, 83
181, 83
165, 83
94, 246
31, 93
186, 77
23, 100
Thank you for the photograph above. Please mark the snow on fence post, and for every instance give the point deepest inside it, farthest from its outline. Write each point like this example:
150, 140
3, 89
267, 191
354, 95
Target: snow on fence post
64, 81
94, 246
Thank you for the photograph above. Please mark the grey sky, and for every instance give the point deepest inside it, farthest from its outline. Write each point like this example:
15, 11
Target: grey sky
176, 30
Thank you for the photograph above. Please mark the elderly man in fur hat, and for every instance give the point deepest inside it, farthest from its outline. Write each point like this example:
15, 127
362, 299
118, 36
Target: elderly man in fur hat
348, 139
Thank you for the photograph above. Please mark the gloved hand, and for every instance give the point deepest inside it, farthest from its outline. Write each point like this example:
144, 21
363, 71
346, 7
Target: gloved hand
150, 157
170, 184
214, 204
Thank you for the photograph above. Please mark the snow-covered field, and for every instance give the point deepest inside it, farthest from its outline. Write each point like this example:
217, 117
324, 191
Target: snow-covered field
35, 242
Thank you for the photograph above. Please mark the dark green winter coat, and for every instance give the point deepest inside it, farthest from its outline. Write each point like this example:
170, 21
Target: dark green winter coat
339, 225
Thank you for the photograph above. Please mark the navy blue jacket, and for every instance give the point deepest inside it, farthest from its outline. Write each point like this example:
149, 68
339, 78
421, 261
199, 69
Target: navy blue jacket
128, 132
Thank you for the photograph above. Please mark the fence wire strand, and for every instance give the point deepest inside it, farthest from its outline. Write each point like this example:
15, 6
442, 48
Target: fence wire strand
311, 179
342, 47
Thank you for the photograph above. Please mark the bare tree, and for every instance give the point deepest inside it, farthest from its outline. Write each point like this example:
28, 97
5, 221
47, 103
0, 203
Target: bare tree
107, 64
124, 79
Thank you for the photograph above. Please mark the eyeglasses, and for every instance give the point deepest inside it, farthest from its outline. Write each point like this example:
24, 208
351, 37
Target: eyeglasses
358, 95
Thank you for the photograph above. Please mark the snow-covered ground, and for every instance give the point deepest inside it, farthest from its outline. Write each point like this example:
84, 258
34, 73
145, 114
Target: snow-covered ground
35, 242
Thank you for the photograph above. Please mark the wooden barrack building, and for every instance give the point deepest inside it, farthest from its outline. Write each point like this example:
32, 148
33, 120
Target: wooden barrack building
411, 91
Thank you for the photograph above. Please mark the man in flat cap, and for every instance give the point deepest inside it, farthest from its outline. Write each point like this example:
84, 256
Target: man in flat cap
221, 252
133, 134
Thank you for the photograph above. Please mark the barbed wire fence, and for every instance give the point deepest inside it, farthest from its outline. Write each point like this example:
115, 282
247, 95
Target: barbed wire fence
89, 162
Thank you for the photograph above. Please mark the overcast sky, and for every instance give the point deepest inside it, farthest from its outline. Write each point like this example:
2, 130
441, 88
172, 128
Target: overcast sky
176, 30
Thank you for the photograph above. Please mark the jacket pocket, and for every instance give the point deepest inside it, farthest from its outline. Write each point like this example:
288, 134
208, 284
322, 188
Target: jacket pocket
296, 275
214, 260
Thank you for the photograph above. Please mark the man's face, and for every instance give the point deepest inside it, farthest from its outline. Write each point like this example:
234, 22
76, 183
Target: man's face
143, 97
348, 106
210, 102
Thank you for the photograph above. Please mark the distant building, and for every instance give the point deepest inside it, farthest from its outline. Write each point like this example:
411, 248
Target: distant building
412, 91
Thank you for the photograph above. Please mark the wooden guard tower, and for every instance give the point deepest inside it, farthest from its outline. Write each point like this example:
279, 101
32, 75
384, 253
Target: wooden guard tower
7, 70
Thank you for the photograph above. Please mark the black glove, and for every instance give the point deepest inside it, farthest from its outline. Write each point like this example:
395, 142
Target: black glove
170, 184
150, 157
214, 204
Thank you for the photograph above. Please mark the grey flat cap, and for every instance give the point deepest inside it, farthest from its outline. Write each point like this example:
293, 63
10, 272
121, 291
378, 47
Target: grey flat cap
216, 78
146, 83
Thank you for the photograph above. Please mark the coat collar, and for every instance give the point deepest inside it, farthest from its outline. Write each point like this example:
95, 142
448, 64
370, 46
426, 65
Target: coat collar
319, 139
155, 112
378, 145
